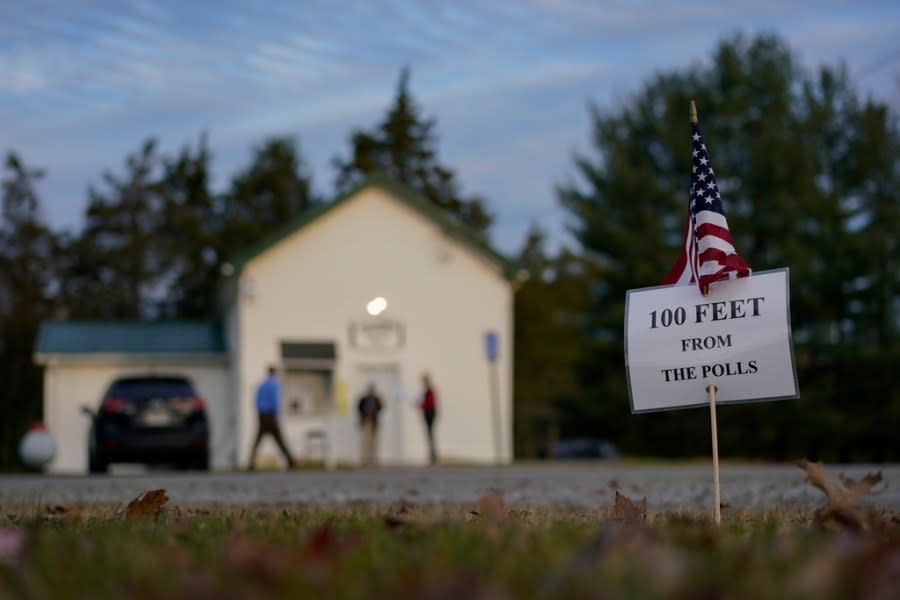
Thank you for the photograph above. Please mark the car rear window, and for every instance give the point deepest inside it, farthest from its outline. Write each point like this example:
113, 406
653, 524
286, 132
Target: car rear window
143, 389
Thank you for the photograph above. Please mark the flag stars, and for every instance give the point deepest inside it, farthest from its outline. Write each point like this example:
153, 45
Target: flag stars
705, 201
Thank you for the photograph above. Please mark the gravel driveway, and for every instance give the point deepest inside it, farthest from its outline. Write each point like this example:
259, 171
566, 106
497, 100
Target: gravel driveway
682, 486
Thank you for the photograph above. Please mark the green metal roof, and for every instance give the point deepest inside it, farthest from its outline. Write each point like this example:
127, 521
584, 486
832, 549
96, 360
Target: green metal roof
130, 337
402, 193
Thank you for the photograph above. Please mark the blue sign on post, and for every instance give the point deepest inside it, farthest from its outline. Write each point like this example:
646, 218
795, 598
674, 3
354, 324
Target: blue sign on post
491, 344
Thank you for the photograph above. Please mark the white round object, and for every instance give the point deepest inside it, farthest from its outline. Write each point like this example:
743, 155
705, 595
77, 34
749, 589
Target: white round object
37, 448
376, 306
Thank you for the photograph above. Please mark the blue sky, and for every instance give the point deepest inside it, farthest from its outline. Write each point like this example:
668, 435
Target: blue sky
82, 84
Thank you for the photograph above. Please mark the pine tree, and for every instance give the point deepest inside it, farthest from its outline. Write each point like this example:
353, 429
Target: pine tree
27, 282
188, 236
549, 305
272, 190
116, 268
808, 175
404, 147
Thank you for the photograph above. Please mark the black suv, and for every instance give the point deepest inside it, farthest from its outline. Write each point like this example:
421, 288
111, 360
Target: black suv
152, 420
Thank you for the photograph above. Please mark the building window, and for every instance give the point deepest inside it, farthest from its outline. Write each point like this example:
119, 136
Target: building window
306, 393
306, 377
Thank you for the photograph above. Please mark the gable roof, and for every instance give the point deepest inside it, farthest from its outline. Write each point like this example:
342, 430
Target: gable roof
130, 337
399, 191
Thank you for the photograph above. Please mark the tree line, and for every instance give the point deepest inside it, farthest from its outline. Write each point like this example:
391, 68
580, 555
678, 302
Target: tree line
809, 176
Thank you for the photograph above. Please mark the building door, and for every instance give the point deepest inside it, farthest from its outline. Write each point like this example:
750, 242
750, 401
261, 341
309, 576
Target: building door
386, 379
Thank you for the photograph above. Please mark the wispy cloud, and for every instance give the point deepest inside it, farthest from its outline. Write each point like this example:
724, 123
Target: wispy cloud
508, 80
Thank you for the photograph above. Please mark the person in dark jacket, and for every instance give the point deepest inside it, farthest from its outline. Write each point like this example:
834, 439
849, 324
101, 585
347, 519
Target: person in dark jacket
428, 405
267, 397
369, 407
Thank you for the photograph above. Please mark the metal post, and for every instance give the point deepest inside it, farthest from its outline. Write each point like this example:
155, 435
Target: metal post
494, 377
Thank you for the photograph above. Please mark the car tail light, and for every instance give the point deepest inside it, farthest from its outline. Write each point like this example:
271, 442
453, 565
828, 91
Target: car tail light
196, 404
114, 405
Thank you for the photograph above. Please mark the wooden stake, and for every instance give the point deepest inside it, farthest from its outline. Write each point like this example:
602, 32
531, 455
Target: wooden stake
711, 390
717, 511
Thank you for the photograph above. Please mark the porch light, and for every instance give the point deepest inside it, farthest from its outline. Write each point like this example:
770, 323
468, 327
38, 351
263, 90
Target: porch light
376, 306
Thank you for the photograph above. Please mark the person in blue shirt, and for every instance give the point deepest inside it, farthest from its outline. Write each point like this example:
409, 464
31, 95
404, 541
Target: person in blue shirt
267, 396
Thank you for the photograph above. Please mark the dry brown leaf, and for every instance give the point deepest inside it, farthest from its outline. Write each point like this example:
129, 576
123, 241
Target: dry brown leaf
400, 507
843, 518
629, 512
148, 504
843, 511
74, 513
492, 506
395, 523
815, 475
861, 487
853, 490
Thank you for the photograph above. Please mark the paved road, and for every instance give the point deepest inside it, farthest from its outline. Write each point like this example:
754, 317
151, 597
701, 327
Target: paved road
562, 484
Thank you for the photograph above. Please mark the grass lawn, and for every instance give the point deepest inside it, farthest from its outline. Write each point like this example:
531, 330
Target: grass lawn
488, 550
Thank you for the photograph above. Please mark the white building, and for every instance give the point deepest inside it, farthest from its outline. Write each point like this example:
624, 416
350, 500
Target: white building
375, 287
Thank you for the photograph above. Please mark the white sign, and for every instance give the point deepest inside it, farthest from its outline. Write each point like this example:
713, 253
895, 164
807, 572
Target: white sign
376, 334
738, 338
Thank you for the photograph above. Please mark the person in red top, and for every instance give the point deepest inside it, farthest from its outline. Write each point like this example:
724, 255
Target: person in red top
429, 412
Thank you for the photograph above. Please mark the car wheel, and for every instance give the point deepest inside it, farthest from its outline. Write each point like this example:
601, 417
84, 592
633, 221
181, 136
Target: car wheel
96, 464
201, 463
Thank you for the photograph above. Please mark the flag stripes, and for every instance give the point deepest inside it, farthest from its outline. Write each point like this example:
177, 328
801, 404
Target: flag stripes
707, 254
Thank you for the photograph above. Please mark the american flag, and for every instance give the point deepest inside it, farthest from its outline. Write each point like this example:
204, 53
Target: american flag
707, 253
